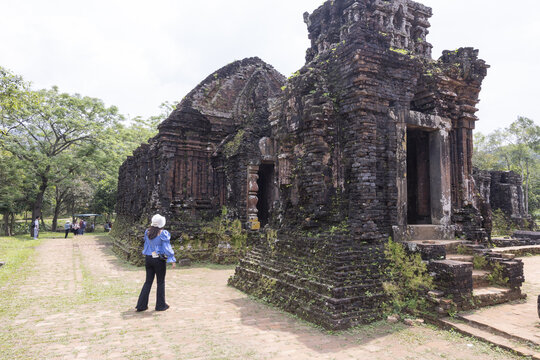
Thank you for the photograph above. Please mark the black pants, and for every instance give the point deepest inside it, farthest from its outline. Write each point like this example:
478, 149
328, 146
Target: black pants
67, 232
158, 268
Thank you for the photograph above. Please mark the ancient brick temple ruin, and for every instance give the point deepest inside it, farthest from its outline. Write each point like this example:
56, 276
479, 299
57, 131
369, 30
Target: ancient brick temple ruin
503, 190
371, 139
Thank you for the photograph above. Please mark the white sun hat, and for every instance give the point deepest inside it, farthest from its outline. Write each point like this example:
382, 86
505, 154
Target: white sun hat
158, 221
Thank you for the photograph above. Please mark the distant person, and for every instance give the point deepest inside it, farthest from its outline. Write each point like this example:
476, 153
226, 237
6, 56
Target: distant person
67, 228
158, 252
35, 226
83, 226
75, 228
79, 228
107, 227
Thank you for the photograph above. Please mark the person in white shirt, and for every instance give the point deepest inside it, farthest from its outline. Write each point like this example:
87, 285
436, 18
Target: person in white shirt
36, 227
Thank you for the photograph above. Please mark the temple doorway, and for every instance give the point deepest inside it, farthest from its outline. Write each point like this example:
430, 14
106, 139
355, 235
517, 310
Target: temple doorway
265, 181
418, 177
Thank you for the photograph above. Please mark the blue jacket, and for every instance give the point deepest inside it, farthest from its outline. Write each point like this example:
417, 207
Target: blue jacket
161, 244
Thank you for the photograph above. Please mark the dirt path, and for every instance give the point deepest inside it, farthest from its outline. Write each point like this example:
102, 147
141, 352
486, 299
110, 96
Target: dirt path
76, 301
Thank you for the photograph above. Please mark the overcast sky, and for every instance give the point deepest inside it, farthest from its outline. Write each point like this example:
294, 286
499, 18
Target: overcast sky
136, 54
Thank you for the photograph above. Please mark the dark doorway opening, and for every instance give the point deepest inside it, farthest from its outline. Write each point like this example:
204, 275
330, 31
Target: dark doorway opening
266, 175
418, 177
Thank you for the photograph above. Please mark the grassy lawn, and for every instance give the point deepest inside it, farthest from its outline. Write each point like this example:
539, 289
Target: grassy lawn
16, 251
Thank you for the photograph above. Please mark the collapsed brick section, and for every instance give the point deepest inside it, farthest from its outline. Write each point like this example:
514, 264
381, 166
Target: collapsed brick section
502, 190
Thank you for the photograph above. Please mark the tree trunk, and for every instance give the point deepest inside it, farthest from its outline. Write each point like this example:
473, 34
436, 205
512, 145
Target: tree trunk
12, 223
6, 224
38, 204
60, 199
527, 188
57, 207
55, 218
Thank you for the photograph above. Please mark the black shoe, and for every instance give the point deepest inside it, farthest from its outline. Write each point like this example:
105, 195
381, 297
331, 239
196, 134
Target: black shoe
164, 308
139, 310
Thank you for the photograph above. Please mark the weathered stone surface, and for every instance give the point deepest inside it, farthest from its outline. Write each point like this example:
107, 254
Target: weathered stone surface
428, 249
453, 277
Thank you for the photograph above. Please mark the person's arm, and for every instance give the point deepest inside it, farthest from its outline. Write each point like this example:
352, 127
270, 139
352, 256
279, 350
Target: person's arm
167, 248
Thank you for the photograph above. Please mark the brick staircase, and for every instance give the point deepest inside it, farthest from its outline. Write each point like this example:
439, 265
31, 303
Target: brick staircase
459, 285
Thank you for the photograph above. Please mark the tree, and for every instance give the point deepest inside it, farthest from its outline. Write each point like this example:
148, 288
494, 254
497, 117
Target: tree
46, 125
69, 146
113, 148
14, 177
14, 187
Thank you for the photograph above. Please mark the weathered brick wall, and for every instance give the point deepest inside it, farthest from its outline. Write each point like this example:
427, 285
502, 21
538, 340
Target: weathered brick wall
197, 162
507, 194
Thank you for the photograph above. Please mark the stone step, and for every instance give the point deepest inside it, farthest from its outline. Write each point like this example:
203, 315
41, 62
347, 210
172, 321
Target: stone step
450, 246
459, 257
465, 317
518, 250
423, 232
494, 295
480, 279
493, 337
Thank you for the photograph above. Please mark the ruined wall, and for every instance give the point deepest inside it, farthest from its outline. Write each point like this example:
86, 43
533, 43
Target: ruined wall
507, 194
502, 190
197, 162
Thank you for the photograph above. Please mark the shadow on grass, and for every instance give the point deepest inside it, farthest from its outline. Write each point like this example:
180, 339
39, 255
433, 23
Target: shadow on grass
266, 317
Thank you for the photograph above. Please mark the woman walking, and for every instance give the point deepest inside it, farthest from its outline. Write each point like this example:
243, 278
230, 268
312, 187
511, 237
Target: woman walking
158, 252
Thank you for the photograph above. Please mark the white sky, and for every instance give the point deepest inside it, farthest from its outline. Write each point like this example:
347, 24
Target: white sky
136, 54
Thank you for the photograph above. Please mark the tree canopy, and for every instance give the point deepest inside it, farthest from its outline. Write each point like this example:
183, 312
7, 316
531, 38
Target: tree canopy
62, 151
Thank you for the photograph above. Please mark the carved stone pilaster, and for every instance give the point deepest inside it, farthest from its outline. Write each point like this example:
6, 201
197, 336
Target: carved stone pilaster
284, 169
252, 199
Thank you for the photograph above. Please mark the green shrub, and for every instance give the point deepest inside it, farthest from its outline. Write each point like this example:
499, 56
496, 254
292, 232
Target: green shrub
501, 224
463, 250
224, 230
479, 262
407, 280
496, 276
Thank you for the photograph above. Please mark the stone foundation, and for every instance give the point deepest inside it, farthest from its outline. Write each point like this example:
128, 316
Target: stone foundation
323, 279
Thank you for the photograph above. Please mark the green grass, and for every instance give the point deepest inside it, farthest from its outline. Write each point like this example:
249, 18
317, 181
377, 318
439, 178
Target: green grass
16, 251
